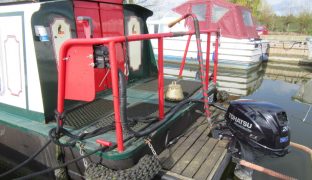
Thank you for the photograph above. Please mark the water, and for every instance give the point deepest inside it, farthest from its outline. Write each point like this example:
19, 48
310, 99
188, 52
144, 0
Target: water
279, 86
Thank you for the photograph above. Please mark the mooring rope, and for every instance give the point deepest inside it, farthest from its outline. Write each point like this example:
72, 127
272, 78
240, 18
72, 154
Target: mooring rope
302, 148
265, 170
274, 173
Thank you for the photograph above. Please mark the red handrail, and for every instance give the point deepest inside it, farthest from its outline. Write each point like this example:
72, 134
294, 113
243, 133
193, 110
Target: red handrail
208, 59
161, 98
184, 56
216, 53
111, 41
115, 88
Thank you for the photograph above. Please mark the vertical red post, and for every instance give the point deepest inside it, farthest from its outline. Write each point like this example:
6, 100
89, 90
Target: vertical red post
161, 98
208, 59
61, 84
215, 66
184, 56
114, 75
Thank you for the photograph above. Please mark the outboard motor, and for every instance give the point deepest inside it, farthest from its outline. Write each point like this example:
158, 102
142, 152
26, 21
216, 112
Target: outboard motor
255, 128
262, 125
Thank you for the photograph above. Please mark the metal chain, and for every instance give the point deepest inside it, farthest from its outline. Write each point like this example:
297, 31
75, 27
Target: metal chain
148, 142
82, 153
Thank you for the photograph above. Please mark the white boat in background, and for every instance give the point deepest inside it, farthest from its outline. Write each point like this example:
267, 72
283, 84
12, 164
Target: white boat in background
240, 82
237, 82
240, 46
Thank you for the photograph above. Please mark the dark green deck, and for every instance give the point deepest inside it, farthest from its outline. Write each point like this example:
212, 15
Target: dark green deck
80, 119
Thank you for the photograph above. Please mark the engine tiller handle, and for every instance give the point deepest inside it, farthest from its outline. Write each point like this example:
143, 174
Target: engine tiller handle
175, 21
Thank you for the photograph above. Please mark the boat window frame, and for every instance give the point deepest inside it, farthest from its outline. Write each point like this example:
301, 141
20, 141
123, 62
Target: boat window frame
200, 10
218, 12
247, 18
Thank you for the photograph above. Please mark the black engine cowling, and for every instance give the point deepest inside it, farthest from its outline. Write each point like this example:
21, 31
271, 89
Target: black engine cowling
262, 125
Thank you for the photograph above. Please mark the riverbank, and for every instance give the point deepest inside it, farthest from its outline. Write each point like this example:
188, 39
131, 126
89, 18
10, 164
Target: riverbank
288, 46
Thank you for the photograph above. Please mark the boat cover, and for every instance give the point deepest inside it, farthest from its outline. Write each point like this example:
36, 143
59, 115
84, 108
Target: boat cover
234, 21
27, 1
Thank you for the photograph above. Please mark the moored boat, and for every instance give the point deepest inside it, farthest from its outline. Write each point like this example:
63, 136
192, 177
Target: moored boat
79, 82
240, 46
71, 71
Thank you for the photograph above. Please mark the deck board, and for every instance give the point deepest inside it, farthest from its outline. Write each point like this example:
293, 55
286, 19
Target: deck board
195, 155
188, 157
184, 147
172, 148
209, 163
167, 152
217, 165
200, 158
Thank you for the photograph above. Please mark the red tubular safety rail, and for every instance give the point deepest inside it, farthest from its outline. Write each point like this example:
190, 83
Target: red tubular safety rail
111, 42
215, 57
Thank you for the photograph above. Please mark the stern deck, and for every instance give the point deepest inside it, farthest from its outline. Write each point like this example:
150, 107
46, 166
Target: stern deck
196, 155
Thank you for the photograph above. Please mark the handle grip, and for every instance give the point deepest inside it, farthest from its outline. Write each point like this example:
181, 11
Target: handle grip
175, 21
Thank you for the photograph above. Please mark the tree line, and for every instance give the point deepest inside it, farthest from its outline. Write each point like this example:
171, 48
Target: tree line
299, 23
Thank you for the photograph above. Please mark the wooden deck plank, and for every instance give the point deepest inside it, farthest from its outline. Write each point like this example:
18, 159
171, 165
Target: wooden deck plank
171, 161
175, 175
210, 162
217, 165
163, 156
195, 155
191, 153
189, 132
200, 157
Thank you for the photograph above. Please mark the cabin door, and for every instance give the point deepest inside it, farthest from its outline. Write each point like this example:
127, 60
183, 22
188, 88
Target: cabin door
1, 69
12, 75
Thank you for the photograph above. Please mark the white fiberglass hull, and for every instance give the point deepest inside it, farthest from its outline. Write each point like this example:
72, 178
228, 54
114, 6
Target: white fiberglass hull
233, 53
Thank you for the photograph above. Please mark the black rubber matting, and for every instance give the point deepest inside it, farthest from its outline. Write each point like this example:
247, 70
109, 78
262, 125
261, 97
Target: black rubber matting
189, 87
88, 113
100, 114
138, 110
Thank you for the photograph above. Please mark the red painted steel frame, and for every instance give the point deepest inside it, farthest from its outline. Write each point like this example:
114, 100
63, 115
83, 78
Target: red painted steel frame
185, 54
208, 59
161, 98
215, 63
115, 88
112, 41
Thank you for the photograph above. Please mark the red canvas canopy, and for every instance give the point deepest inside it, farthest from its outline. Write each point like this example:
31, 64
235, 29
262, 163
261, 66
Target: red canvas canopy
107, 1
27, 1
234, 21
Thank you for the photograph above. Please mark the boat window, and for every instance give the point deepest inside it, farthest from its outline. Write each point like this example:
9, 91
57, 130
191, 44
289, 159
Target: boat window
259, 28
200, 11
247, 18
218, 12
156, 26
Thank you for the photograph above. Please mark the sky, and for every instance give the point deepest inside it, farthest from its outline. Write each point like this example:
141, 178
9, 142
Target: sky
280, 7
285, 7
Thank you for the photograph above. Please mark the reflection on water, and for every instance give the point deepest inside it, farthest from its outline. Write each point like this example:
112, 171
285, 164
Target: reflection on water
279, 85
240, 82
